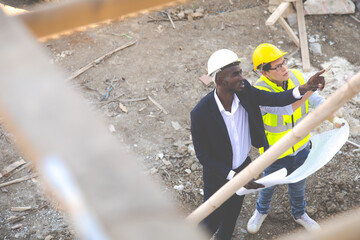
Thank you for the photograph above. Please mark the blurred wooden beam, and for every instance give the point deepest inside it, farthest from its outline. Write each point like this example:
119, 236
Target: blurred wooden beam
48, 118
55, 18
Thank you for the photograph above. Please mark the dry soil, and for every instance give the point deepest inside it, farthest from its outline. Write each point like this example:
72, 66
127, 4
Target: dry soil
166, 64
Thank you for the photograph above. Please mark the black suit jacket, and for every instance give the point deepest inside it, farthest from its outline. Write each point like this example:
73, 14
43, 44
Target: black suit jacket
210, 137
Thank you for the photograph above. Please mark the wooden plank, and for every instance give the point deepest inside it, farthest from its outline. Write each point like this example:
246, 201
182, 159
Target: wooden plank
205, 79
51, 119
11, 167
18, 180
303, 36
55, 18
288, 29
277, 13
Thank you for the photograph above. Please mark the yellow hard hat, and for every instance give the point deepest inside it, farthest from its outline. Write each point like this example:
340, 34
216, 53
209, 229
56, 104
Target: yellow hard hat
265, 53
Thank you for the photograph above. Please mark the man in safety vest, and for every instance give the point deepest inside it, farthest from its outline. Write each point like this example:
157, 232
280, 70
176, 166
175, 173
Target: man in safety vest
278, 121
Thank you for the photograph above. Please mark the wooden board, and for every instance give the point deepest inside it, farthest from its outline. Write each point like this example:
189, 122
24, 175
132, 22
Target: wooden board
288, 29
206, 80
277, 13
48, 118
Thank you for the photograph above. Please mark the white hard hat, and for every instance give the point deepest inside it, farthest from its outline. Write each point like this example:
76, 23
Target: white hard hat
220, 59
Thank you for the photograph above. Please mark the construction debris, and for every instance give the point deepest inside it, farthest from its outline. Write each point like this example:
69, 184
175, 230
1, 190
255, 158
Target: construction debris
175, 125
112, 128
98, 60
17, 180
172, 62
178, 14
329, 7
14, 219
355, 18
158, 105
11, 167
16, 226
20, 209
123, 108
172, 23
206, 79
49, 237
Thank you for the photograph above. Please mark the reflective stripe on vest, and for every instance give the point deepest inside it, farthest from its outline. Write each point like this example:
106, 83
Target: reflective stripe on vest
280, 126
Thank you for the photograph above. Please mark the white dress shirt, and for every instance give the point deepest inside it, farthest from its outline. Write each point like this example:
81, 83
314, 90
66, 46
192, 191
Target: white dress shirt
237, 124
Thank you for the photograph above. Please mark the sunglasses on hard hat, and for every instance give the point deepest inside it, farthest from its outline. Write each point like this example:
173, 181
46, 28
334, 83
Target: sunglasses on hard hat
279, 66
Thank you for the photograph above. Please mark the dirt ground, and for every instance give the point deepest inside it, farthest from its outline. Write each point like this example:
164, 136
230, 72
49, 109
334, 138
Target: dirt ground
165, 64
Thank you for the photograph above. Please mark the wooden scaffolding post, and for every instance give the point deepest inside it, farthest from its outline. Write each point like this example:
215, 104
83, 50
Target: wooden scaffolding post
303, 36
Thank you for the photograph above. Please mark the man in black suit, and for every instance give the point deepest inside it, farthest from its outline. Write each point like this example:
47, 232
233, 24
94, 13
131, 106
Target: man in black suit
224, 125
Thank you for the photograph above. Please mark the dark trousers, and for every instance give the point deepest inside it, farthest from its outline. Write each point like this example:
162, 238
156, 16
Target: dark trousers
224, 218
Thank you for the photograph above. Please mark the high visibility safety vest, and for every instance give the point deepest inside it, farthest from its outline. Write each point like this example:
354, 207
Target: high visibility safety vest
276, 126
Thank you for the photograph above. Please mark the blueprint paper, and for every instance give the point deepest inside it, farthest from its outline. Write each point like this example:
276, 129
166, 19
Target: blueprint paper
324, 148
267, 181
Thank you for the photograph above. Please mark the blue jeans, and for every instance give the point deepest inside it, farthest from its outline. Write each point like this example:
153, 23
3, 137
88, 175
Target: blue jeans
296, 190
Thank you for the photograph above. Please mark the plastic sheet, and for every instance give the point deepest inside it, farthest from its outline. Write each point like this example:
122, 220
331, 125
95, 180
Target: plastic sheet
324, 148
